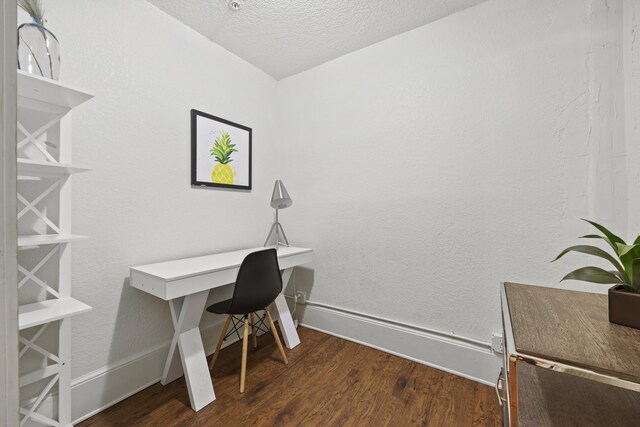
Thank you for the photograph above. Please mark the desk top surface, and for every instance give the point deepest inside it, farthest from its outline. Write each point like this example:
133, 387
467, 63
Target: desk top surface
178, 269
572, 328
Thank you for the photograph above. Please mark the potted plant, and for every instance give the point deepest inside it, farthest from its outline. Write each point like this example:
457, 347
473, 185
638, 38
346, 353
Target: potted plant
624, 297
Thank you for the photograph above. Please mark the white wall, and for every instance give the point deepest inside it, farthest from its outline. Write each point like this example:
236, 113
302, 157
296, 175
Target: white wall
147, 71
430, 167
632, 109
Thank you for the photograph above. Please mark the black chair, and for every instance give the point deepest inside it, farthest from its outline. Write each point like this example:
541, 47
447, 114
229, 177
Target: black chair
257, 286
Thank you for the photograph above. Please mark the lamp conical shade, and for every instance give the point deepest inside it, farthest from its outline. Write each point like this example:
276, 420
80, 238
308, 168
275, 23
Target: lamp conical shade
280, 198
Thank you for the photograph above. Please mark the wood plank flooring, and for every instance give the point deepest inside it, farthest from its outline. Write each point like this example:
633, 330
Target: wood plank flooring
328, 382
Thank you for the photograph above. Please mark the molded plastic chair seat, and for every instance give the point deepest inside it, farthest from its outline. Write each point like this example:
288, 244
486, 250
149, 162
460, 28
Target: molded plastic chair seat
221, 307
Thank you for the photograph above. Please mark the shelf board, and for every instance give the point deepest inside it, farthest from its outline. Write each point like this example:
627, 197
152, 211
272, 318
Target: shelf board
35, 376
48, 311
28, 167
39, 89
48, 239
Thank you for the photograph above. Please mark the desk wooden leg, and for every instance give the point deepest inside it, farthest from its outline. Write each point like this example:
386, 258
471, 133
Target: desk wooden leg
186, 353
280, 310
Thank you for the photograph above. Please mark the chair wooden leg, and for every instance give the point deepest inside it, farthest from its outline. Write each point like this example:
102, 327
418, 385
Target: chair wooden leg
277, 338
245, 342
220, 340
254, 330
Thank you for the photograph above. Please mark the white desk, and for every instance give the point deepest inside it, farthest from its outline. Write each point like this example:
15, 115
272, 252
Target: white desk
185, 283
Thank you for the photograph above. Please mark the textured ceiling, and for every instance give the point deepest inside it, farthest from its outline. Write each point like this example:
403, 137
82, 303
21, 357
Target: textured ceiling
285, 37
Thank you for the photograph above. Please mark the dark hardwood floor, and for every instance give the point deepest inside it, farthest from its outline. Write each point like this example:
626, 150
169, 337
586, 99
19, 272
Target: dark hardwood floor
328, 382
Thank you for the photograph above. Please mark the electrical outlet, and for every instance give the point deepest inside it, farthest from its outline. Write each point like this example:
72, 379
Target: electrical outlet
496, 342
301, 297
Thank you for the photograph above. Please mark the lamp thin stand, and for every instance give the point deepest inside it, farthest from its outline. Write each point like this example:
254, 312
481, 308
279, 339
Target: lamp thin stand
277, 227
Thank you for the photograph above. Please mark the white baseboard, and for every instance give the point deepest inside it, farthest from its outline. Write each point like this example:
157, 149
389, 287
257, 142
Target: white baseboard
457, 355
104, 387
100, 389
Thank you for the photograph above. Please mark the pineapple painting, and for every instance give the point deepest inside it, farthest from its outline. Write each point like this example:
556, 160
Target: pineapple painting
220, 152
223, 172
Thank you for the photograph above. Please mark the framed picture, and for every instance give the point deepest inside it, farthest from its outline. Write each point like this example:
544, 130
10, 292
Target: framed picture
220, 152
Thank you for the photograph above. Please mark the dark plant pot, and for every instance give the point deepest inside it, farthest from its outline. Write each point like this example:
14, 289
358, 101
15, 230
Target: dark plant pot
624, 307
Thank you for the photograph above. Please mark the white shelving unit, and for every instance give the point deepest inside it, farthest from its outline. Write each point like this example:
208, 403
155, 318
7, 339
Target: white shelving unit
47, 239
38, 313
35, 168
44, 243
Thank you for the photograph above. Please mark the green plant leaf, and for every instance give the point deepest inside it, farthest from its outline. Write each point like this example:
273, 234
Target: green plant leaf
627, 286
625, 249
617, 273
593, 275
595, 251
610, 238
635, 276
637, 241
628, 253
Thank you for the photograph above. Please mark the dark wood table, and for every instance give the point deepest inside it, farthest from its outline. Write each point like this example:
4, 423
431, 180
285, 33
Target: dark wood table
565, 364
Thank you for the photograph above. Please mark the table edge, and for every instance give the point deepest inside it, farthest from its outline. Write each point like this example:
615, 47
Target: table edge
213, 270
614, 378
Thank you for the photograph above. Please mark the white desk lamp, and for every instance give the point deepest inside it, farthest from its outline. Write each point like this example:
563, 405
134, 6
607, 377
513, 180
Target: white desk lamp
279, 200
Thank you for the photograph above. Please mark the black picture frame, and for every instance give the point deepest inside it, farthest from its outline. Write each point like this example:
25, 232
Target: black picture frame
199, 143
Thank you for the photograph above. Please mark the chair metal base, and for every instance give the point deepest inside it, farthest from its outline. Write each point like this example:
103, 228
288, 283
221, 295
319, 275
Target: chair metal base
255, 327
